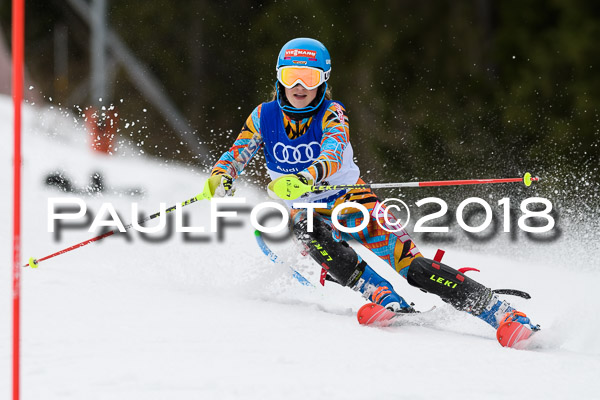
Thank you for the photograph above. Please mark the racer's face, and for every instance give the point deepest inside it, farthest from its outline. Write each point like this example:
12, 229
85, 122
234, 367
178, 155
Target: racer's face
299, 96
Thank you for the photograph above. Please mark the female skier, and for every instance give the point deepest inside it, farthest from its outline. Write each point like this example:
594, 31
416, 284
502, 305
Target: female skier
305, 138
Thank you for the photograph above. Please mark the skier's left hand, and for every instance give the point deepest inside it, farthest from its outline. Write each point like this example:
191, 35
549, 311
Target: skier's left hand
290, 187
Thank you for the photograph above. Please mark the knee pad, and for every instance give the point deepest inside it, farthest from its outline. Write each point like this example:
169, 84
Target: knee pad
337, 258
462, 292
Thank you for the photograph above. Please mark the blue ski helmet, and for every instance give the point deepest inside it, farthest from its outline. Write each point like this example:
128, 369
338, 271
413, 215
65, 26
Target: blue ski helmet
304, 52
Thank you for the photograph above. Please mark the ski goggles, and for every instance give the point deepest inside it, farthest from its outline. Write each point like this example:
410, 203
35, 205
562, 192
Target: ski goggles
309, 77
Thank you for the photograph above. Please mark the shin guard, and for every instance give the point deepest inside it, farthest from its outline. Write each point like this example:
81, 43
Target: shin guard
337, 258
462, 292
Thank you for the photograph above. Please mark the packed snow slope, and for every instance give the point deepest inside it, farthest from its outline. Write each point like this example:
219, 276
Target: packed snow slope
210, 317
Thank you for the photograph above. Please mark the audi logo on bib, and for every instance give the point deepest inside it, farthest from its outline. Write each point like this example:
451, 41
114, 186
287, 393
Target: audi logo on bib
302, 153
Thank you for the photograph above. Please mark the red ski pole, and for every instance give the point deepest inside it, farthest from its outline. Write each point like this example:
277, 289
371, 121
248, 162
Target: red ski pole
527, 179
33, 262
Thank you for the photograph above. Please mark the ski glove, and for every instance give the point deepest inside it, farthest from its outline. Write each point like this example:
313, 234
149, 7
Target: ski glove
290, 187
218, 186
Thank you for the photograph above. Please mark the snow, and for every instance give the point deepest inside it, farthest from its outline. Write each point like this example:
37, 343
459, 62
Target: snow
216, 319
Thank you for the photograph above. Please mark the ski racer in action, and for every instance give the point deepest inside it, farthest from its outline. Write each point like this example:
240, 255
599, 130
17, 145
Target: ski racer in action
305, 138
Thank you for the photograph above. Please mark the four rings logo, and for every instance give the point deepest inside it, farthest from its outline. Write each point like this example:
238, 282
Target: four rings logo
302, 153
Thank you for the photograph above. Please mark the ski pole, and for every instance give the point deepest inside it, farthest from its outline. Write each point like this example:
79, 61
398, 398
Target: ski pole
241, 159
33, 262
273, 257
527, 179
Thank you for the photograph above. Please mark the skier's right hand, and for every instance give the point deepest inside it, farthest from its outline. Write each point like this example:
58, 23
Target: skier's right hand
290, 187
218, 186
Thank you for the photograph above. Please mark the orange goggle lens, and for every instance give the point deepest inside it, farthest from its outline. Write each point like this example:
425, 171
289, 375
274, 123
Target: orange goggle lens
308, 77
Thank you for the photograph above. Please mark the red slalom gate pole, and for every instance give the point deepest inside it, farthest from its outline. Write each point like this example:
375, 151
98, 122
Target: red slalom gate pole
18, 39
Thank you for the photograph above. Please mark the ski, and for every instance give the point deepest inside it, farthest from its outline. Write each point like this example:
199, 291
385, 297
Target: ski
377, 315
273, 257
510, 334
374, 314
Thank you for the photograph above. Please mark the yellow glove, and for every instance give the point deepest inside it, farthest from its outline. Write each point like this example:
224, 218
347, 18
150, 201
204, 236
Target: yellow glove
218, 186
290, 187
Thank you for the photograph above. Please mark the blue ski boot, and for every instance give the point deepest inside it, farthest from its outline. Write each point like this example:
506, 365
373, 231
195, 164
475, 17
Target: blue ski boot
379, 291
494, 311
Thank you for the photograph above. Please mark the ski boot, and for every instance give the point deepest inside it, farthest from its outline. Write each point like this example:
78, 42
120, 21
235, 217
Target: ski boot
512, 326
379, 291
494, 311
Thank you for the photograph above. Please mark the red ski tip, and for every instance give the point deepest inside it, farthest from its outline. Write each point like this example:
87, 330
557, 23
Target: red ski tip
512, 333
374, 314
